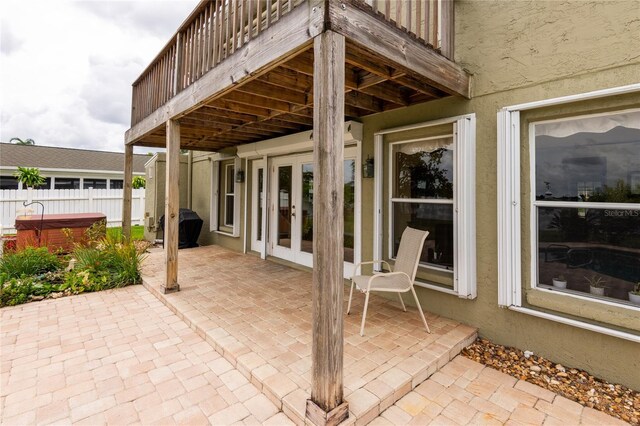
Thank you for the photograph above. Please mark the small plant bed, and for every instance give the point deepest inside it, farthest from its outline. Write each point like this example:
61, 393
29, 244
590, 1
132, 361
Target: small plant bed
97, 263
572, 383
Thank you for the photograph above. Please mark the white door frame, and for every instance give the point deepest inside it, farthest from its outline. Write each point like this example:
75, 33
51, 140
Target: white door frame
258, 242
283, 252
294, 253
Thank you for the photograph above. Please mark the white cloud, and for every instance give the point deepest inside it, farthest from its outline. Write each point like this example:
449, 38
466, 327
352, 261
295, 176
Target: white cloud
66, 68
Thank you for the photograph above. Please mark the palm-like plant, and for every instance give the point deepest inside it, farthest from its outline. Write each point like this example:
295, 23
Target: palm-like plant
138, 182
29, 176
23, 142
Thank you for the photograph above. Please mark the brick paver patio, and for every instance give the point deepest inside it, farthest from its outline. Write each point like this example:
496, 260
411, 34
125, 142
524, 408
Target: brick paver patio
118, 357
466, 392
258, 315
122, 357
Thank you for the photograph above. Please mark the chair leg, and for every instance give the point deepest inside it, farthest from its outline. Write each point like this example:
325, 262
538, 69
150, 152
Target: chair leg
364, 314
402, 302
415, 296
350, 296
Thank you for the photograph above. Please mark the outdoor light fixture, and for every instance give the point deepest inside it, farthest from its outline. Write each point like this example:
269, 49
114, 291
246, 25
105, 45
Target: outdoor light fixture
367, 168
240, 176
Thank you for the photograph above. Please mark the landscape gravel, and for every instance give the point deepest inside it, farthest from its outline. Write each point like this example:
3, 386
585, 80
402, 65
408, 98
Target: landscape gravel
578, 385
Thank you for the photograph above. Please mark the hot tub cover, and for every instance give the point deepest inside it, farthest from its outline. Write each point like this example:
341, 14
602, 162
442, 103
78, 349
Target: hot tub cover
56, 221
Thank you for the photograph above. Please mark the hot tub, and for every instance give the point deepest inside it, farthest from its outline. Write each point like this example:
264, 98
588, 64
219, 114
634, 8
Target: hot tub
28, 228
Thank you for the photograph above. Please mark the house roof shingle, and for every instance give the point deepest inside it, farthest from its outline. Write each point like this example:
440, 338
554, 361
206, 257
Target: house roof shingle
50, 157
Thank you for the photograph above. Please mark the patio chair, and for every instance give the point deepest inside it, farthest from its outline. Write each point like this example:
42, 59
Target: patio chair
400, 280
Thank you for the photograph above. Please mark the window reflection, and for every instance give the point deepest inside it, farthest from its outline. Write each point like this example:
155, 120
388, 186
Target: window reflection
579, 245
424, 169
594, 159
435, 218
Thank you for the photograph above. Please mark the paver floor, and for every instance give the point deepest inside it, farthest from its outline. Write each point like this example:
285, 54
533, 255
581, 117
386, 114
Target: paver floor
121, 357
117, 357
466, 392
257, 314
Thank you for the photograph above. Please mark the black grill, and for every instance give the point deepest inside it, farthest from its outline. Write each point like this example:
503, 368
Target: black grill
189, 228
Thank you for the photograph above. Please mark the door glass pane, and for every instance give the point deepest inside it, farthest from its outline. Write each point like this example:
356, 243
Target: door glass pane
349, 208
260, 190
284, 206
435, 218
306, 244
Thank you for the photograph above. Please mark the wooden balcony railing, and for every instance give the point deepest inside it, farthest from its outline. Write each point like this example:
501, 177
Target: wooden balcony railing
217, 28
431, 21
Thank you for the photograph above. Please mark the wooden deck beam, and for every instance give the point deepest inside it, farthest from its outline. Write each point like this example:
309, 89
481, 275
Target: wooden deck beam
326, 406
172, 202
127, 192
349, 18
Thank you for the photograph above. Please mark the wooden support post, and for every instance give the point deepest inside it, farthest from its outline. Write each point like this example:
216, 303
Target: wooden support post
126, 196
171, 203
326, 406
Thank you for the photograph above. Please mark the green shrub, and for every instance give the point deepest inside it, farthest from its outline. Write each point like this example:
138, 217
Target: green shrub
34, 272
15, 291
112, 258
30, 261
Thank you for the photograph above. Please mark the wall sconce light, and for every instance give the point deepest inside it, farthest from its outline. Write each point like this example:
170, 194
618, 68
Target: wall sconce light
240, 176
367, 168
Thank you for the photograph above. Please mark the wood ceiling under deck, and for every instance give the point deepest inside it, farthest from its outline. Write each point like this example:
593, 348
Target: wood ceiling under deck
280, 101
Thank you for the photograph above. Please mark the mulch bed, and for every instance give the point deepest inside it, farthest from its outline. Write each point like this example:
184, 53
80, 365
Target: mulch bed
572, 383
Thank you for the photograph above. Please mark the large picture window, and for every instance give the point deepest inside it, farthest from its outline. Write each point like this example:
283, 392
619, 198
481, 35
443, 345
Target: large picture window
569, 210
586, 204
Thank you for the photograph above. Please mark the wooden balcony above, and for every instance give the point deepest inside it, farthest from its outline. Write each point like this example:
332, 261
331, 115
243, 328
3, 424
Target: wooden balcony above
240, 71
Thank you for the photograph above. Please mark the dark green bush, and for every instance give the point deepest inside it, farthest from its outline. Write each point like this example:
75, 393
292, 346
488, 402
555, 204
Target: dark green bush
15, 291
107, 263
27, 262
112, 258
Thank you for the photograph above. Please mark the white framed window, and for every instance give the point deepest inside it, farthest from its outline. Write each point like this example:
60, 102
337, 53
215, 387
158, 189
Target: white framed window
583, 209
229, 194
224, 217
431, 186
422, 182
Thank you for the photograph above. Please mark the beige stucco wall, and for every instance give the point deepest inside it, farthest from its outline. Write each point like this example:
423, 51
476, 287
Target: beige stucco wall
155, 175
201, 203
517, 51
521, 52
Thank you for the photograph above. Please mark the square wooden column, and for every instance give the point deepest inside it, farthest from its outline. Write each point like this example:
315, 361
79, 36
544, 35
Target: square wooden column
326, 406
171, 207
127, 191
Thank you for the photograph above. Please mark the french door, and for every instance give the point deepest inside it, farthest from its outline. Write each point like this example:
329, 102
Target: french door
290, 208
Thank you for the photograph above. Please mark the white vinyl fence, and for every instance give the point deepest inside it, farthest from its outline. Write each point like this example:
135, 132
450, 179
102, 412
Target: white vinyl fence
64, 201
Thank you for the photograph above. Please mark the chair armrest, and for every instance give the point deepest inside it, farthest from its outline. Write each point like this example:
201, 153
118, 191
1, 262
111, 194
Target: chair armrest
355, 269
388, 274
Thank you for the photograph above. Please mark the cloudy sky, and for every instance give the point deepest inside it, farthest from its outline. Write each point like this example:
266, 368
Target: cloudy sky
66, 67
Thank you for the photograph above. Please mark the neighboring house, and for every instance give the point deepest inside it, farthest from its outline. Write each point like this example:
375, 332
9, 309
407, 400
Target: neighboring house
66, 168
532, 173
